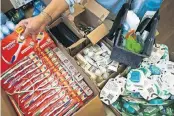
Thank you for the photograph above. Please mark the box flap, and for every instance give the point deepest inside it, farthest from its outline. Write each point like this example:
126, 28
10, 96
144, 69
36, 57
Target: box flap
98, 33
6, 106
83, 2
92, 108
97, 9
77, 43
78, 9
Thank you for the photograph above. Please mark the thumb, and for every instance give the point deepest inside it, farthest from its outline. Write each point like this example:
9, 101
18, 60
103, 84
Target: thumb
26, 32
22, 23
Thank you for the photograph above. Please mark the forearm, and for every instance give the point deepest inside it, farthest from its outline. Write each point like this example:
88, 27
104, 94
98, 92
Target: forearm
54, 9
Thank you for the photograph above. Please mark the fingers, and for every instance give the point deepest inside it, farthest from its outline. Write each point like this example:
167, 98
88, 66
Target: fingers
26, 32
22, 23
34, 36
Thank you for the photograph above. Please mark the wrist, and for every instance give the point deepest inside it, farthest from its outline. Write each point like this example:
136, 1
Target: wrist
44, 19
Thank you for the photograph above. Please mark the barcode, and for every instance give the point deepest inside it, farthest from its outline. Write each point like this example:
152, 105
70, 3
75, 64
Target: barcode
170, 66
110, 96
150, 90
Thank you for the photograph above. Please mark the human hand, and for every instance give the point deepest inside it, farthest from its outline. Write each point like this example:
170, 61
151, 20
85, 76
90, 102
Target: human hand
33, 25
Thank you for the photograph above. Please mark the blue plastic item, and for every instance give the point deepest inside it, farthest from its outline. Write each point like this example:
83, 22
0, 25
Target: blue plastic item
136, 95
39, 6
129, 108
154, 70
36, 12
112, 5
140, 7
10, 25
135, 76
5, 30
156, 101
3, 18
1, 35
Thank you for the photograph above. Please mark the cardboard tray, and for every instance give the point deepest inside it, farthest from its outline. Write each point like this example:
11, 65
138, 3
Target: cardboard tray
121, 68
73, 48
86, 110
91, 14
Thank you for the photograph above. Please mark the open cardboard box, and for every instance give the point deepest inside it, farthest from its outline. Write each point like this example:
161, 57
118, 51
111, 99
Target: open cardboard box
91, 14
121, 68
92, 107
79, 44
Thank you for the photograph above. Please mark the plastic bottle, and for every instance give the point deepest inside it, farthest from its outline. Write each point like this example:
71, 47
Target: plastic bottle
1, 35
5, 30
112, 5
3, 18
10, 25
140, 7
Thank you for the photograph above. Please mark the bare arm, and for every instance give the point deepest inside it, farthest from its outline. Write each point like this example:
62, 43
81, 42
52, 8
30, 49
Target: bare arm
38, 23
56, 7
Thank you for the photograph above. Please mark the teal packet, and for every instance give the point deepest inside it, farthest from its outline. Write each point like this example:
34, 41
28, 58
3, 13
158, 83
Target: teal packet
150, 111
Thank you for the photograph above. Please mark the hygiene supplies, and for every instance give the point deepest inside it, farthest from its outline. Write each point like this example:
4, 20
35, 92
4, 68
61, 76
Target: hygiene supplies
133, 45
1, 35
131, 23
3, 18
39, 6
10, 25
5, 30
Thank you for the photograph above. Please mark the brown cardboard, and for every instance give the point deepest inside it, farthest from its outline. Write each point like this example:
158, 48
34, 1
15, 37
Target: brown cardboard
113, 75
91, 14
97, 10
87, 109
80, 44
93, 108
6, 106
96, 35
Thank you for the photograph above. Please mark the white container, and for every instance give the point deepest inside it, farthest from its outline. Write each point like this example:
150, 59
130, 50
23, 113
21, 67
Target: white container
10, 25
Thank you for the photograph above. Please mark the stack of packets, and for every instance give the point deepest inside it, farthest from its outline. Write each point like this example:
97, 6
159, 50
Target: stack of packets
147, 90
96, 62
40, 78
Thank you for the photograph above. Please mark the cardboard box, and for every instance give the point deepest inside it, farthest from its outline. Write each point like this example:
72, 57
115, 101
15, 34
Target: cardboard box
88, 108
121, 68
78, 45
92, 14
